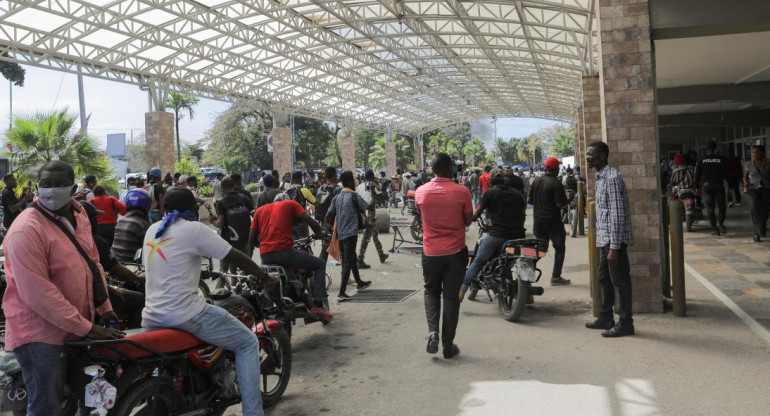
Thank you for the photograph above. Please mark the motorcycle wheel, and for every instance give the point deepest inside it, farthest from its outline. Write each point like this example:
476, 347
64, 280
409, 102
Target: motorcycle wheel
152, 396
512, 299
573, 223
416, 230
275, 379
689, 221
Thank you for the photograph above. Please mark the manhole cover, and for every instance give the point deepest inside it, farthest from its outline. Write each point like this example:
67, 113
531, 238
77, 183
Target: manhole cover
382, 296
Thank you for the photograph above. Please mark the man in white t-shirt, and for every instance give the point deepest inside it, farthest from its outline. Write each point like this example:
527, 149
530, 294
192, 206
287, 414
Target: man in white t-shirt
173, 250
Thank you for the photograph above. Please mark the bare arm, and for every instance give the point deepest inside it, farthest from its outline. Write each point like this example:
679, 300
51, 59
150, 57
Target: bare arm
468, 217
477, 213
312, 223
746, 180
247, 264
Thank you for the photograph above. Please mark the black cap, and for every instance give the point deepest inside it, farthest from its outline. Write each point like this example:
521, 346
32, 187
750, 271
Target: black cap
180, 199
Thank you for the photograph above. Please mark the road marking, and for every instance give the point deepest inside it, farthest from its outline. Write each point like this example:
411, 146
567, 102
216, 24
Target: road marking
755, 326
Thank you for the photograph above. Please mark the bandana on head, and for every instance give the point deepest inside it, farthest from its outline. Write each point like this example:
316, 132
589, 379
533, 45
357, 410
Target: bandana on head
171, 218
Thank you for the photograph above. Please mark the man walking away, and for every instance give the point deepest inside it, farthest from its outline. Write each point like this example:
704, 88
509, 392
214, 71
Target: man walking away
474, 181
239, 188
613, 236
484, 180
271, 190
757, 180
446, 211
216, 187
370, 191
156, 195
734, 174
234, 219
11, 205
710, 175
548, 197
303, 196
323, 201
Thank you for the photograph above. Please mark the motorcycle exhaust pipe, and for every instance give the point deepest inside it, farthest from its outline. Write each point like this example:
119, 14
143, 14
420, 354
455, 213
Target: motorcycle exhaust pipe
536, 290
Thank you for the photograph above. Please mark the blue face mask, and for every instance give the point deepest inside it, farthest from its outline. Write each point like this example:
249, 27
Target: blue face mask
53, 199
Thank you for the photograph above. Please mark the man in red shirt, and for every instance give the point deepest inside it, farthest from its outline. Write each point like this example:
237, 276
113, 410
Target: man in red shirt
446, 210
484, 180
272, 228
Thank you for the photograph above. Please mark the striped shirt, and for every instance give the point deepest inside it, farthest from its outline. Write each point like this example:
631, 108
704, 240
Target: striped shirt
129, 235
613, 217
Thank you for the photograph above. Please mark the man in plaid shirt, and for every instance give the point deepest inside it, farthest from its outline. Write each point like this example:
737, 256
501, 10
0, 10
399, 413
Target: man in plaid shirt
613, 236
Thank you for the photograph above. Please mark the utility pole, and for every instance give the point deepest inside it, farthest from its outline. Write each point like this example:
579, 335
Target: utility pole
82, 98
10, 118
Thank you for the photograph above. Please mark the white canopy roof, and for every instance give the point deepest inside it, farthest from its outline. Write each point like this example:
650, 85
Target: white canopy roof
404, 65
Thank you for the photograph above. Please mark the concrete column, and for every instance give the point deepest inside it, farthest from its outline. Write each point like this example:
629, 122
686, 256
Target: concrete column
282, 145
348, 152
419, 157
390, 155
628, 73
580, 145
159, 136
592, 121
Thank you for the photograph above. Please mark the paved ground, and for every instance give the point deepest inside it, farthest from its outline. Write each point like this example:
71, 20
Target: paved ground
371, 360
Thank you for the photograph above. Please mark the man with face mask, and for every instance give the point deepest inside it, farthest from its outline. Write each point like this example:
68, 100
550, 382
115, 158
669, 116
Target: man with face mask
54, 292
173, 250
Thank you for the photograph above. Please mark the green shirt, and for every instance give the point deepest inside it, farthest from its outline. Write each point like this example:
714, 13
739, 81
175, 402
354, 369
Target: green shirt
474, 181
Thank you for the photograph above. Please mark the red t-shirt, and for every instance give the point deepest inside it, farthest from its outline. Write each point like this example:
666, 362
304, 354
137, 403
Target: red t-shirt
274, 223
442, 204
484, 182
111, 207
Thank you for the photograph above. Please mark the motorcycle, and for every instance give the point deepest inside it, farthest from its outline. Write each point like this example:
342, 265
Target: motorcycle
167, 371
415, 221
510, 274
692, 212
296, 290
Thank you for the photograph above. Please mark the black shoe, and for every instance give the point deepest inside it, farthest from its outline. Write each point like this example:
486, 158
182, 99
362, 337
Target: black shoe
763, 233
451, 351
383, 257
619, 331
363, 285
342, 297
601, 324
722, 229
362, 265
559, 281
715, 232
756, 238
432, 347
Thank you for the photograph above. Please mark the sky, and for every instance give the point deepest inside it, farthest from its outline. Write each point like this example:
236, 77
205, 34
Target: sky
119, 108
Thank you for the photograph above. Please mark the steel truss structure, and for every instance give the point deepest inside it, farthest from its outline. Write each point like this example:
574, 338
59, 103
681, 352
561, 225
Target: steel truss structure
406, 66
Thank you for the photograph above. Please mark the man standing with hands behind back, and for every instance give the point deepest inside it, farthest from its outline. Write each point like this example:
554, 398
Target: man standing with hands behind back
446, 210
613, 236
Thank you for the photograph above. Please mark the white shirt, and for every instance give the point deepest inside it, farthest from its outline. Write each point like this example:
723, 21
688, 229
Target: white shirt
173, 268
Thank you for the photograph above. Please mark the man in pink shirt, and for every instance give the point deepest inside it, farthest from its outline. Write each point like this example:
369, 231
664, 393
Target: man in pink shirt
446, 210
52, 296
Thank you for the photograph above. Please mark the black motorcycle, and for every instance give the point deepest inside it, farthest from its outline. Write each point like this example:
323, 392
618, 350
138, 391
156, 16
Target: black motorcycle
510, 273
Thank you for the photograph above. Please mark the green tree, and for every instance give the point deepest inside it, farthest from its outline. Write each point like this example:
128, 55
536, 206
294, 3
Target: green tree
312, 138
241, 130
404, 152
377, 154
136, 154
12, 71
365, 140
564, 145
180, 102
43, 137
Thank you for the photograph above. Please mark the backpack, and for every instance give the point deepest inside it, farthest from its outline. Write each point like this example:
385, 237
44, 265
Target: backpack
295, 193
323, 202
237, 222
396, 185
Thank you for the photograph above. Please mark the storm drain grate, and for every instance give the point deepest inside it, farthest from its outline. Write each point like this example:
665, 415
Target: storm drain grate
382, 296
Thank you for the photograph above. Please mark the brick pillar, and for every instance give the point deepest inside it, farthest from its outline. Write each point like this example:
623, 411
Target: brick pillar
632, 135
348, 153
159, 136
390, 157
592, 121
281, 150
419, 158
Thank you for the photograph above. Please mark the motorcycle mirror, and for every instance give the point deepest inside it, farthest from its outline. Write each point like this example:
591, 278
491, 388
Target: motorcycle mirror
138, 256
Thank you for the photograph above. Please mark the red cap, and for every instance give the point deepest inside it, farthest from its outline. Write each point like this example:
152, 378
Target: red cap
679, 160
552, 163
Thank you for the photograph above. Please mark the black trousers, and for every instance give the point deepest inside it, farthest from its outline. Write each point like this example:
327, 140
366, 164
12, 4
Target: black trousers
617, 277
760, 208
349, 261
443, 275
106, 231
714, 195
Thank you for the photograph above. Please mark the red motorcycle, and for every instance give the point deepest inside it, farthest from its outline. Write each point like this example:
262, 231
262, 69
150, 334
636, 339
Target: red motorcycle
167, 371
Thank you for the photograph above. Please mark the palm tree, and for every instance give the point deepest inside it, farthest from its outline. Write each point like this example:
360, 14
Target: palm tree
42, 137
180, 102
377, 155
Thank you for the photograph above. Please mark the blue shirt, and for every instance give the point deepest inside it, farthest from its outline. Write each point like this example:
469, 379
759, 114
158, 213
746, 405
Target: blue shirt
344, 209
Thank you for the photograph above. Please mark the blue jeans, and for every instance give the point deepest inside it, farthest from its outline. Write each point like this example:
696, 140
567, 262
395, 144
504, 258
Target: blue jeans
488, 247
216, 326
297, 259
44, 370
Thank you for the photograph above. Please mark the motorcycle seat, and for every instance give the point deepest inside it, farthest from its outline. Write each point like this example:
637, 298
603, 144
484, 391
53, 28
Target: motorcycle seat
164, 341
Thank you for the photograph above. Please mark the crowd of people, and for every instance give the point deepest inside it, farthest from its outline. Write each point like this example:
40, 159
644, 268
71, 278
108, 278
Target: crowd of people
45, 304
